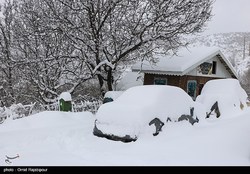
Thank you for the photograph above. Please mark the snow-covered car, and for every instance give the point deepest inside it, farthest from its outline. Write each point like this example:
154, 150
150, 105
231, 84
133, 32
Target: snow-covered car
130, 115
222, 97
111, 96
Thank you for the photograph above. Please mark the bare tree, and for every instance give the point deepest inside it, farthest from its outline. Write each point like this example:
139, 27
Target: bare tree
49, 46
7, 59
108, 33
49, 63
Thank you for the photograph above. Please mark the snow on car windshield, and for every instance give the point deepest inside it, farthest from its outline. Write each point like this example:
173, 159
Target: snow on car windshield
139, 105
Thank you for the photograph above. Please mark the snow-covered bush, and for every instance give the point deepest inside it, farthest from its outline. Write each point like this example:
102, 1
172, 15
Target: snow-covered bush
3, 114
16, 111
80, 106
90, 106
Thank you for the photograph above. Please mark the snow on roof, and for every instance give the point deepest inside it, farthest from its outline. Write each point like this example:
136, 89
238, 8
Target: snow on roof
66, 96
185, 60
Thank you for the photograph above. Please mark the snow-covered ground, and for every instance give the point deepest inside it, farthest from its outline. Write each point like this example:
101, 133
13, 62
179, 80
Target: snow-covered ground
66, 139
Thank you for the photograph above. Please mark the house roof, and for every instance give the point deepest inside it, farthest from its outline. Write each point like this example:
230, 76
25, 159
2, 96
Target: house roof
185, 61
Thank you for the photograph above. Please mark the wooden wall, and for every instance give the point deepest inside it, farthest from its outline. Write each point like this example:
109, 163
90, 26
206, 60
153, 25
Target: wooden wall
179, 81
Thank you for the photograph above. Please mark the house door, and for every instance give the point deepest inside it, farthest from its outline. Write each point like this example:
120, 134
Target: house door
200, 88
191, 88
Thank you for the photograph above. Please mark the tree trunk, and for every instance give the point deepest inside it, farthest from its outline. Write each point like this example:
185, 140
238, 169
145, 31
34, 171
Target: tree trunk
110, 80
101, 83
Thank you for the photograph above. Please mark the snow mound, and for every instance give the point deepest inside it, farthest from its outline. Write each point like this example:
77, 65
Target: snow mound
229, 94
66, 96
47, 119
113, 94
178, 62
131, 113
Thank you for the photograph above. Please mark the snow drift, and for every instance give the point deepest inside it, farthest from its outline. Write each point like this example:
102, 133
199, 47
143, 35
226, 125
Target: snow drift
131, 113
229, 94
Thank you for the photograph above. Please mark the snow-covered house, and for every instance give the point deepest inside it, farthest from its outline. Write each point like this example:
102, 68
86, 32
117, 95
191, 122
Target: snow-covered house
189, 69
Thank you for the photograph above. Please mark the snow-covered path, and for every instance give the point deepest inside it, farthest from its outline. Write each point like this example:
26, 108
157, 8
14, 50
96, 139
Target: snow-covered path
66, 139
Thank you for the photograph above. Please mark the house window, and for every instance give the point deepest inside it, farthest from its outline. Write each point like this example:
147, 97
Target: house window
191, 88
214, 67
205, 68
160, 81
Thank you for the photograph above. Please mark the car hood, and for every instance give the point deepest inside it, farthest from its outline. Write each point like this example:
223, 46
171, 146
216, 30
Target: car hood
120, 120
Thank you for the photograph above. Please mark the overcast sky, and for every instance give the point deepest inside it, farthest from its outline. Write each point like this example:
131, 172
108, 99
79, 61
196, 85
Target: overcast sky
229, 16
